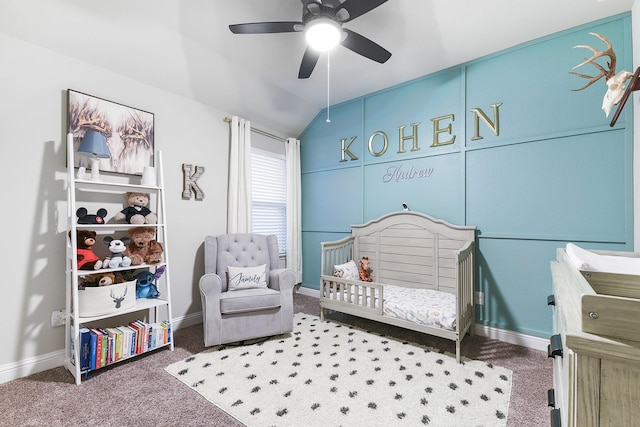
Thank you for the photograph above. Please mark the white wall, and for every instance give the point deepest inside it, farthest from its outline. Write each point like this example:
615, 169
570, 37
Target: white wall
33, 170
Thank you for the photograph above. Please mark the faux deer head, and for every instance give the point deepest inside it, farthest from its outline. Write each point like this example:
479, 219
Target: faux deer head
615, 82
118, 299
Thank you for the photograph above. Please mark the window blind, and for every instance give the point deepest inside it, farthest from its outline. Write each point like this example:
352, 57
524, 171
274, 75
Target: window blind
269, 195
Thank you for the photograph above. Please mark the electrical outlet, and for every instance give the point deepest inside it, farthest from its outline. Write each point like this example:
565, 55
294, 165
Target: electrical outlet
58, 318
479, 298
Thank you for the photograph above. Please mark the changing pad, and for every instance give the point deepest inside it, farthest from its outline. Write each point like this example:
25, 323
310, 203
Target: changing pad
589, 261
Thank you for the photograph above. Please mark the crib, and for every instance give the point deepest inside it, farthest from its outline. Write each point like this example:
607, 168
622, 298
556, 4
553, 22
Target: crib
422, 271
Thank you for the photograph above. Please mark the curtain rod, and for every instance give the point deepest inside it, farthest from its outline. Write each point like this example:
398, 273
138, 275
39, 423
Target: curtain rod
260, 131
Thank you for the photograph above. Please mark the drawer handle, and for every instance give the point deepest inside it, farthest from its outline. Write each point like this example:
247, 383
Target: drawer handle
551, 397
555, 418
555, 346
551, 300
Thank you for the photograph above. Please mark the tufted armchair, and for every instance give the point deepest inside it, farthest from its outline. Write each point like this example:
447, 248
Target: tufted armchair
231, 315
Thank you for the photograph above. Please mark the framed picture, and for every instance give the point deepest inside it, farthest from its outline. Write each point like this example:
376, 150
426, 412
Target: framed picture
129, 132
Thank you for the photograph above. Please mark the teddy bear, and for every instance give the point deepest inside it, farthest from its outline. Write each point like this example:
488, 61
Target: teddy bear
154, 253
116, 248
137, 212
105, 279
138, 248
85, 218
364, 272
87, 259
102, 279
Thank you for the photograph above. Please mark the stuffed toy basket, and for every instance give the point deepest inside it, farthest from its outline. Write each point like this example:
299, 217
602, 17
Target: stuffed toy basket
101, 300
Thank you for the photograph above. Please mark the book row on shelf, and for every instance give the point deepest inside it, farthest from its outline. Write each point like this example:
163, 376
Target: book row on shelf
100, 347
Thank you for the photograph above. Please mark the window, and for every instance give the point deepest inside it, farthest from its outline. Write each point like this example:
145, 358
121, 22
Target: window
269, 195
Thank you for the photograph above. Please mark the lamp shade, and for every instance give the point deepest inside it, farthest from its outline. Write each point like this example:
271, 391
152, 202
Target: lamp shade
94, 144
323, 34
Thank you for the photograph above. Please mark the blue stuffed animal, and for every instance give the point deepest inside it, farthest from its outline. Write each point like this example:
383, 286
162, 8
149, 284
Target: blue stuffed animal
145, 288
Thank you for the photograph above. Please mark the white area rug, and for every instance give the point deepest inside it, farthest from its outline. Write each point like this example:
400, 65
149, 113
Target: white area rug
329, 374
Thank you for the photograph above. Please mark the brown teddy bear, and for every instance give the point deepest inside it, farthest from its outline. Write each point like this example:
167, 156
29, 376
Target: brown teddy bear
137, 212
87, 259
103, 279
138, 248
364, 272
154, 254
106, 279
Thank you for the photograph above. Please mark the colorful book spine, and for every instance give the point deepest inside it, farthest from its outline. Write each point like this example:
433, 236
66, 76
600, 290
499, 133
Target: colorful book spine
96, 356
92, 353
85, 348
133, 340
105, 348
108, 341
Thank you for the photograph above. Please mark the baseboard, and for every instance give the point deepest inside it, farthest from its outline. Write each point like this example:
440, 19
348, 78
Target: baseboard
186, 321
512, 337
31, 365
13, 371
504, 335
309, 292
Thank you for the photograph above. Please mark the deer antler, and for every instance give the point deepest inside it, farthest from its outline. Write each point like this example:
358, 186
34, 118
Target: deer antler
611, 64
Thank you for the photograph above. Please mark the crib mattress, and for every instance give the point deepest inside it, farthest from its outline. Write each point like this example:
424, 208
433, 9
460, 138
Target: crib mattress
422, 306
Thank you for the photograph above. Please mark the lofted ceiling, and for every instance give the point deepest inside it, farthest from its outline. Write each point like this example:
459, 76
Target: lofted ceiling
185, 46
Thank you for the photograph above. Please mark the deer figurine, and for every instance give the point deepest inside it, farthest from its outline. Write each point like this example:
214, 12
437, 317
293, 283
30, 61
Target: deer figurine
615, 82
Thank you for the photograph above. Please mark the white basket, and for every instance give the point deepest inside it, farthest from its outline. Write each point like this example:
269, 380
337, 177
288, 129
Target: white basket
101, 300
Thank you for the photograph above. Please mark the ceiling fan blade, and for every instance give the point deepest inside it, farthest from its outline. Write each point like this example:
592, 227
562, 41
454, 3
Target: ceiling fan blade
266, 27
357, 8
309, 61
365, 47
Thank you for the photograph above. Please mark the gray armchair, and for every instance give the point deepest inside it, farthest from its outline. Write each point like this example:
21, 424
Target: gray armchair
243, 314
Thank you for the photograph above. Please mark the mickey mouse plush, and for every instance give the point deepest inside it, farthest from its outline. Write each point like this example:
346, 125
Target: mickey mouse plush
117, 248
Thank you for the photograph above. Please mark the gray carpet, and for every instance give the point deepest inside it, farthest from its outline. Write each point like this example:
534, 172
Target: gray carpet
139, 392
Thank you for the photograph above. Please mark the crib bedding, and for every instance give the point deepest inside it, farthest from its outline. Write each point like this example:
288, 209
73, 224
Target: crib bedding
422, 306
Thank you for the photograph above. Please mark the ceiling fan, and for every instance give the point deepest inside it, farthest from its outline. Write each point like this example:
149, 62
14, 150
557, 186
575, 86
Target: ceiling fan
329, 14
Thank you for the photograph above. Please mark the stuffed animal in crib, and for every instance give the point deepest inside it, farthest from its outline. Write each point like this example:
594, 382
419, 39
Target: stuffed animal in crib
87, 259
145, 286
364, 271
137, 212
116, 248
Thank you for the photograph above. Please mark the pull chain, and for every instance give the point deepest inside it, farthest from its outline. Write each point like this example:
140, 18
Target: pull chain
328, 83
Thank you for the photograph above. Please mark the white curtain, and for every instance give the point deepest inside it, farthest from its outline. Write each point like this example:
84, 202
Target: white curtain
294, 215
239, 190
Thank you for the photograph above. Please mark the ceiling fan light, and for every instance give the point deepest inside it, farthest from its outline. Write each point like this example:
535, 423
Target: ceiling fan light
323, 34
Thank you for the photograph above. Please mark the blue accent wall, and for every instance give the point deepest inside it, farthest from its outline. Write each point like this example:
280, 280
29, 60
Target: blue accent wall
555, 173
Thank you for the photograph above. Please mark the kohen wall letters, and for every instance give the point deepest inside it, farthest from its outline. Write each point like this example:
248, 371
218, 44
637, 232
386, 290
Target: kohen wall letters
379, 141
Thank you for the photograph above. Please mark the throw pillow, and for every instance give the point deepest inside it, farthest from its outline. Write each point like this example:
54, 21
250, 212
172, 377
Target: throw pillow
247, 277
348, 270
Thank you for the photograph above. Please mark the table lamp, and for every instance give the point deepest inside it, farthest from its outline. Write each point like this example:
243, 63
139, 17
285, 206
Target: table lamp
94, 145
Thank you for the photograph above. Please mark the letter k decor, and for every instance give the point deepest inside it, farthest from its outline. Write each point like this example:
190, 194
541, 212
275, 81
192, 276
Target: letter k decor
190, 184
